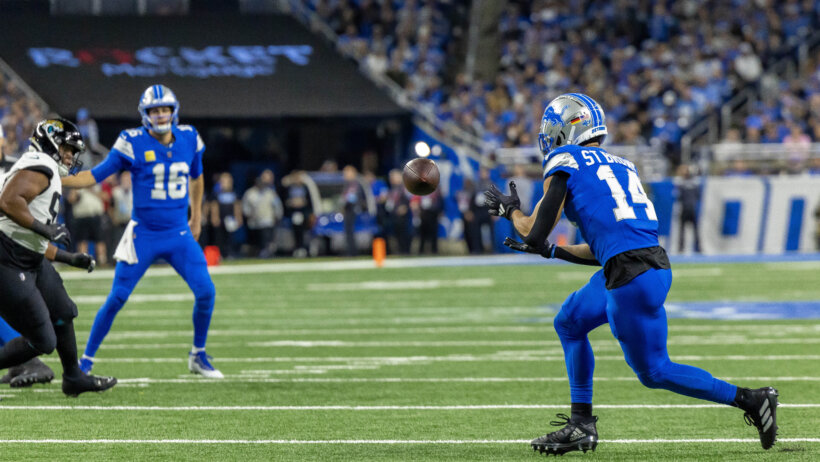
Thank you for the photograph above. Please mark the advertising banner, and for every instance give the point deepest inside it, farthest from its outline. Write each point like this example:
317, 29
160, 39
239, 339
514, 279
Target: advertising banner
219, 67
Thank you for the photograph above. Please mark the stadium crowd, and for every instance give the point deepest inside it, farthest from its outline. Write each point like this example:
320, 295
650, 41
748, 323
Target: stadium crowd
18, 115
669, 63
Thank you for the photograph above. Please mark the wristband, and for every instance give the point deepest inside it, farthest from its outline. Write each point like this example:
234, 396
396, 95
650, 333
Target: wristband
63, 257
40, 228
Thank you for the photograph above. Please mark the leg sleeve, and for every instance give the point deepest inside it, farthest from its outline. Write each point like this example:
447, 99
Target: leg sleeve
583, 311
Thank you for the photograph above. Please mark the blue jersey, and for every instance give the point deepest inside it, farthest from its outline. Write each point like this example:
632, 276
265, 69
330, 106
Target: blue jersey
605, 200
159, 174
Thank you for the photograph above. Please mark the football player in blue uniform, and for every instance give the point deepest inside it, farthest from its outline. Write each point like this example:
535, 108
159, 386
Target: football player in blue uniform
602, 194
165, 161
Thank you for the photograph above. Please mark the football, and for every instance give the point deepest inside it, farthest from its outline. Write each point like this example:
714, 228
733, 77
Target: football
420, 176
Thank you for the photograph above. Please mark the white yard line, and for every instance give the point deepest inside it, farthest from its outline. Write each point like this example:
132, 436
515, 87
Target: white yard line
785, 331
137, 298
325, 265
417, 442
512, 356
401, 285
477, 407
258, 377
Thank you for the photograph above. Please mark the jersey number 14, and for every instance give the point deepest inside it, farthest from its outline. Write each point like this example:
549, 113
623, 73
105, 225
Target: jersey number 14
177, 181
624, 211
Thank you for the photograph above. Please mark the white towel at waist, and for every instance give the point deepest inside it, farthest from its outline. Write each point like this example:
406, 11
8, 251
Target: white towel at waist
125, 249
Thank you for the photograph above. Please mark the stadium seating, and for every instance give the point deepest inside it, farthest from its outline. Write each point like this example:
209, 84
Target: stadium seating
18, 114
668, 65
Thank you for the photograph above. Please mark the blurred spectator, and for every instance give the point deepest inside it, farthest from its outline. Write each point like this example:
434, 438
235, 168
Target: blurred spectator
688, 189
299, 210
397, 206
478, 225
798, 144
122, 197
352, 205
87, 206
428, 208
738, 167
226, 215
747, 64
380, 191
91, 135
5, 162
329, 166
263, 210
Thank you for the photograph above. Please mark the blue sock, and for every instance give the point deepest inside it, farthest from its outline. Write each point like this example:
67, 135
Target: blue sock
203, 309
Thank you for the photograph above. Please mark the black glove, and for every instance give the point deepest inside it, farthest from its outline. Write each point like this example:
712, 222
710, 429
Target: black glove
76, 259
501, 205
55, 232
547, 251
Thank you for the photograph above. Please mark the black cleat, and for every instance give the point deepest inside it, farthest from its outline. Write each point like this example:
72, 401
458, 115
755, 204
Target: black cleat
761, 412
73, 387
31, 372
575, 436
13, 372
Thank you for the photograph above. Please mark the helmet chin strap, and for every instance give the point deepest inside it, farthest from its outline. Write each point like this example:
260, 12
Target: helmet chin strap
571, 136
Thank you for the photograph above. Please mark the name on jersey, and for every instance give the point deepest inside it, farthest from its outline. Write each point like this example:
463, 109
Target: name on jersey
593, 156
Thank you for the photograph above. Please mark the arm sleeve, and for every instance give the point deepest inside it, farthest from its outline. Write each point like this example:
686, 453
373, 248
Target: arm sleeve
548, 211
558, 252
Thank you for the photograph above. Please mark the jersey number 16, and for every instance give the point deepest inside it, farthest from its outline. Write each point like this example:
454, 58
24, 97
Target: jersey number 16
177, 181
624, 211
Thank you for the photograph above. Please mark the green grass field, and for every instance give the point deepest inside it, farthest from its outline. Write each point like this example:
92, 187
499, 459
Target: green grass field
425, 363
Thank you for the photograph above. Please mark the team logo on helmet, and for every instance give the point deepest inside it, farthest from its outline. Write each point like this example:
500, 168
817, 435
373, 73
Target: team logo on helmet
553, 118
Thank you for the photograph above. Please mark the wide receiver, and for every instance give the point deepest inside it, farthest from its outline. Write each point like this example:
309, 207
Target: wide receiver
602, 194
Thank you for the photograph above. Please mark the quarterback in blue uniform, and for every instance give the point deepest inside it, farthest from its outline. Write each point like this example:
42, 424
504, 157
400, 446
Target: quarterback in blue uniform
602, 194
165, 160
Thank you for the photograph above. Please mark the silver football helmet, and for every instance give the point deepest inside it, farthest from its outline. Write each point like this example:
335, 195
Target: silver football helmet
157, 96
571, 118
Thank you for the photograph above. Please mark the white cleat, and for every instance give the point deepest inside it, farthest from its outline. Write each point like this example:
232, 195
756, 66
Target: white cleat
199, 363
